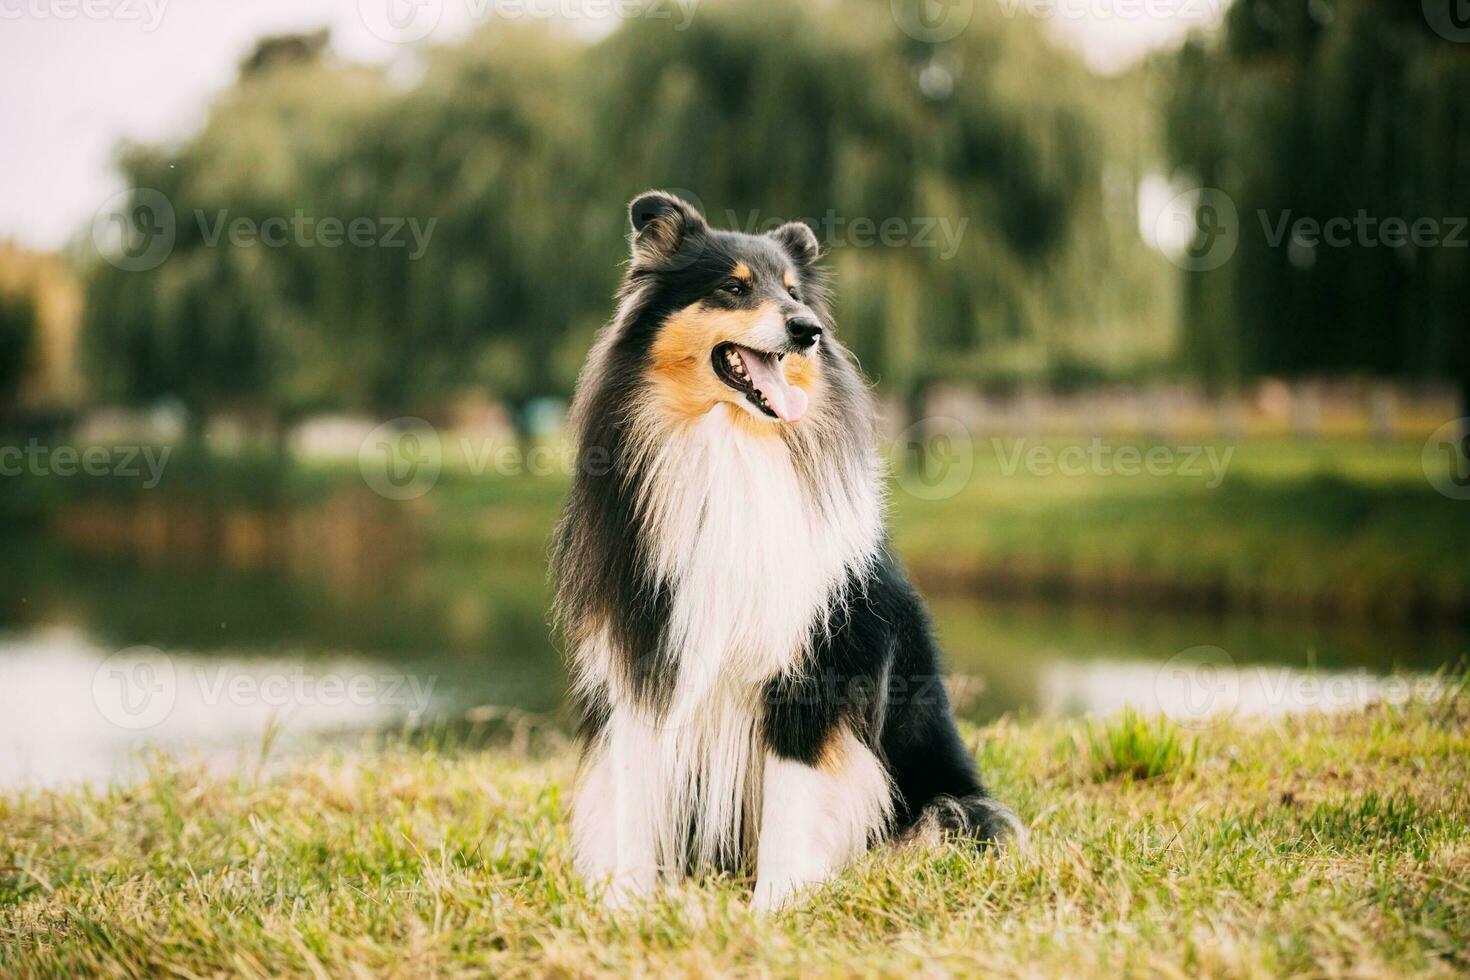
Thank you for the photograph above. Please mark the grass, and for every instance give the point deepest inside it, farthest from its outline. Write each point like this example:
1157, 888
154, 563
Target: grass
1315, 846
1133, 746
1337, 528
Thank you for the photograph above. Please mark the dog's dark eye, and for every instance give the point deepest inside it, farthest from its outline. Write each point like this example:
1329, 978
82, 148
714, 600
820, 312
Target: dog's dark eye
791, 291
735, 287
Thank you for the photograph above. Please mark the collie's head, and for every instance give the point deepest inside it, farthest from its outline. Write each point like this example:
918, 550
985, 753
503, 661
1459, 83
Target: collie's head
737, 319
714, 321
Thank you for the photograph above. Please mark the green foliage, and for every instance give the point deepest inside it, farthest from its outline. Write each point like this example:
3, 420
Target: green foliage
522, 147
1132, 746
1336, 529
1327, 110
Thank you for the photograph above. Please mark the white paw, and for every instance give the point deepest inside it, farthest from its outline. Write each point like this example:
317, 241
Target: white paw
625, 890
772, 896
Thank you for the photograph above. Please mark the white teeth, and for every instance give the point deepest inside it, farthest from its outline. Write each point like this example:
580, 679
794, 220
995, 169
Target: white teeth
737, 370
737, 366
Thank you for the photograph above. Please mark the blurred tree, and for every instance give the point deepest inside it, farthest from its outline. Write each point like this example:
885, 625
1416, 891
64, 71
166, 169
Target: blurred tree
282, 49
516, 151
18, 329
491, 146
1005, 238
1355, 112
460, 283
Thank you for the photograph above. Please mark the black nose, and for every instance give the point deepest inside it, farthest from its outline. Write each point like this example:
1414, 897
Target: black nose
803, 330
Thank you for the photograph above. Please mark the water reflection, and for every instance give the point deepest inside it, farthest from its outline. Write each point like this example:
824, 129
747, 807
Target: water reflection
70, 709
99, 658
1201, 693
1071, 660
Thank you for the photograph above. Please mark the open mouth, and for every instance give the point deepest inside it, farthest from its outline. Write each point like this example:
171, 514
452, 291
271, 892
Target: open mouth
759, 376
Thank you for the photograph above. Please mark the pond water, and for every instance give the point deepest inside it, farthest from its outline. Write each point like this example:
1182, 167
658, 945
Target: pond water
104, 660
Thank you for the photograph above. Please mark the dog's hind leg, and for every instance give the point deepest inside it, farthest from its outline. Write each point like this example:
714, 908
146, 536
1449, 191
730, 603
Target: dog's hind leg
979, 817
940, 791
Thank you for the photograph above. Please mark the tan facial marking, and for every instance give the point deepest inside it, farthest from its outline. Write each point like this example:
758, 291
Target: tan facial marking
789, 280
742, 272
804, 371
682, 377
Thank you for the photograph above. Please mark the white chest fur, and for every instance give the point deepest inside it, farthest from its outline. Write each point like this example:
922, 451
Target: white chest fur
754, 555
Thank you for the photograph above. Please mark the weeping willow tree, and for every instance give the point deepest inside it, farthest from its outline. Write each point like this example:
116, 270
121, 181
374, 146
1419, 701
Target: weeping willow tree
1329, 111
223, 321
453, 281
517, 150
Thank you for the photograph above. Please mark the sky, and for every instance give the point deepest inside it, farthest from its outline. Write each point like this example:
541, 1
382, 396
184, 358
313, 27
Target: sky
80, 77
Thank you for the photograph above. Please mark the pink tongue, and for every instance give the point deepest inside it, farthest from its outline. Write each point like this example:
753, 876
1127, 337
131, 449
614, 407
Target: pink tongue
765, 373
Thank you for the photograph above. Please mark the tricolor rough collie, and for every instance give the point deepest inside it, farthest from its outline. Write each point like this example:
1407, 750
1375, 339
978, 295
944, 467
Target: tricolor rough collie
758, 682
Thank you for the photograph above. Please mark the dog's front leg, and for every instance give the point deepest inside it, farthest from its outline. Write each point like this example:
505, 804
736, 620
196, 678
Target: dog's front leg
818, 817
613, 815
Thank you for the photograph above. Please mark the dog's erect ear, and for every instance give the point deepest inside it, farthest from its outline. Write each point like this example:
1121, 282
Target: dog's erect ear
798, 241
662, 225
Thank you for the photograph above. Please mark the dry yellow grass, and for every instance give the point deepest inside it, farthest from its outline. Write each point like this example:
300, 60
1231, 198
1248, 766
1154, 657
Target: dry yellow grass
1321, 846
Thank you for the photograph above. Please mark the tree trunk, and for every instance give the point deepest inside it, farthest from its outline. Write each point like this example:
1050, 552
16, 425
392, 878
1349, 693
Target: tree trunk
520, 420
1460, 466
915, 447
